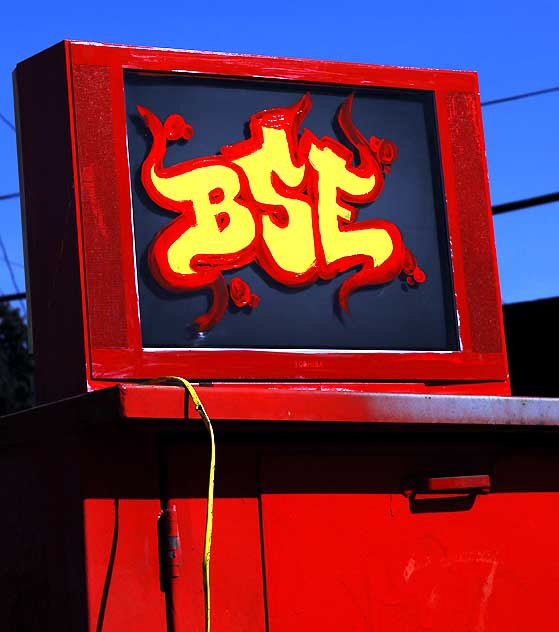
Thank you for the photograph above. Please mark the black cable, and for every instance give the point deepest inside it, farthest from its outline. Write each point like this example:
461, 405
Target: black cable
7, 121
110, 568
527, 203
11, 271
9, 196
520, 96
13, 297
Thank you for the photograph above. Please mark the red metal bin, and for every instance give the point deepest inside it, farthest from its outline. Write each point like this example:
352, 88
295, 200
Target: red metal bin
315, 525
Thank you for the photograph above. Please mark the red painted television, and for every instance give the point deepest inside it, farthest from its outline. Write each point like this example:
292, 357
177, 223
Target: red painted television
236, 218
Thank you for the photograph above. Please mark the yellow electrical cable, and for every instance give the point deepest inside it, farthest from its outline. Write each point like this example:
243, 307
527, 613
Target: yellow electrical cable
210, 506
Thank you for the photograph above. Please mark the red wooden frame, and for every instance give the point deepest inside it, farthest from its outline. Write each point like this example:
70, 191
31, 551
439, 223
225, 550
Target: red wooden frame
109, 330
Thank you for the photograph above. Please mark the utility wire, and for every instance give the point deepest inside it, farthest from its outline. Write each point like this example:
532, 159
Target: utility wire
11, 270
520, 96
9, 196
12, 297
15, 263
7, 121
527, 203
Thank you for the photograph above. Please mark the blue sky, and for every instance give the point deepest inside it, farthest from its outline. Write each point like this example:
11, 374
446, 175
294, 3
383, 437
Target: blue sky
512, 45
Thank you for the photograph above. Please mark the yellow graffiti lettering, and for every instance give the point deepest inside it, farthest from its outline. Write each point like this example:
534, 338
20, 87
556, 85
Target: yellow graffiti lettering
333, 178
290, 243
208, 236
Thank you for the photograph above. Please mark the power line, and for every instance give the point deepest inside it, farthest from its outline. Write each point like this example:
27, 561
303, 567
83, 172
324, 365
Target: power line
527, 203
13, 297
11, 271
9, 196
520, 96
7, 121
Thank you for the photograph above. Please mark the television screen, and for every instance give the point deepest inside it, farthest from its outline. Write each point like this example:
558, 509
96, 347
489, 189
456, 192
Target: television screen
315, 311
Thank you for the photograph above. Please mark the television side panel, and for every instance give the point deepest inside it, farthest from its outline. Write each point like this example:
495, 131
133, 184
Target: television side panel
47, 177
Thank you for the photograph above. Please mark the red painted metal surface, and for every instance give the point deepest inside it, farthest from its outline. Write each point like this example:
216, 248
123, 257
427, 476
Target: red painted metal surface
98, 163
121, 549
287, 404
475, 483
312, 528
361, 561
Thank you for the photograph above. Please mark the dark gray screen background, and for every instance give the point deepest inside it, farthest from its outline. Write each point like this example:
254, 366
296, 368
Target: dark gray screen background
391, 316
